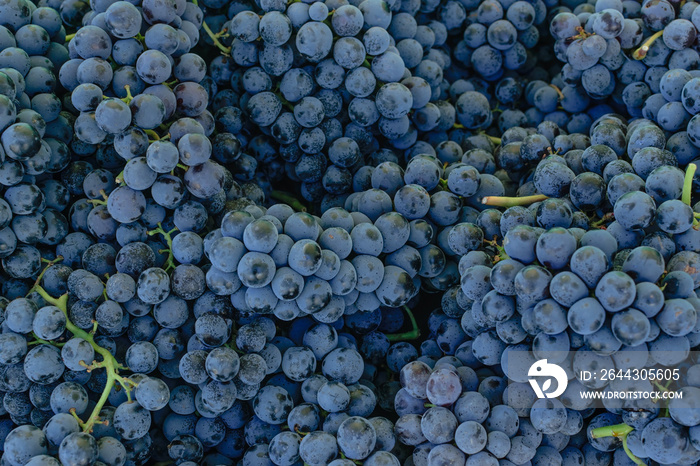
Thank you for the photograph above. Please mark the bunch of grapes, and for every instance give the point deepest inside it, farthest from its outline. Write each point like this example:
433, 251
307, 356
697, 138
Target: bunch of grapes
333, 233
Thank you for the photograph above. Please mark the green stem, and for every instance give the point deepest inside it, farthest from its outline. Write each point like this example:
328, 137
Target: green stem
620, 431
688, 184
603, 220
70, 37
502, 255
40, 341
412, 334
641, 52
493, 139
109, 362
616, 430
289, 199
152, 135
214, 37
285, 103
167, 235
503, 201
128, 97
49, 263
558, 91
660, 387
103, 201
631, 455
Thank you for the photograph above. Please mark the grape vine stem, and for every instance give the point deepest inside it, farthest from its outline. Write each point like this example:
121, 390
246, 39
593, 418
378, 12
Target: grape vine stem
288, 199
641, 52
214, 37
687, 194
503, 201
688, 184
412, 334
109, 362
620, 431
168, 236
493, 139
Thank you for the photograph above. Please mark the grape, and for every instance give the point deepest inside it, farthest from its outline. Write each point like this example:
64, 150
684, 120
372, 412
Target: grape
470, 437
78, 447
460, 154
548, 416
356, 437
659, 432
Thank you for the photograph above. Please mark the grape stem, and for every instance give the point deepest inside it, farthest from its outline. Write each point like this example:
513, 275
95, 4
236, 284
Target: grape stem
412, 334
687, 196
503, 201
620, 431
641, 52
39, 341
288, 199
559, 93
494, 139
214, 37
688, 183
103, 201
109, 362
501, 252
127, 100
152, 135
48, 263
605, 218
70, 37
167, 235
582, 34
285, 103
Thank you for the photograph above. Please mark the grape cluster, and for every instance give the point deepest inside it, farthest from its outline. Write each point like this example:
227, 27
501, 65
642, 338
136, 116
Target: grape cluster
339, 233
499, 37
367, 75
32, 137
558, 289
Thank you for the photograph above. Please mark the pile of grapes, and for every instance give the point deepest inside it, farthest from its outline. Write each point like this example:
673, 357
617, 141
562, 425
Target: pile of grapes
349, 232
